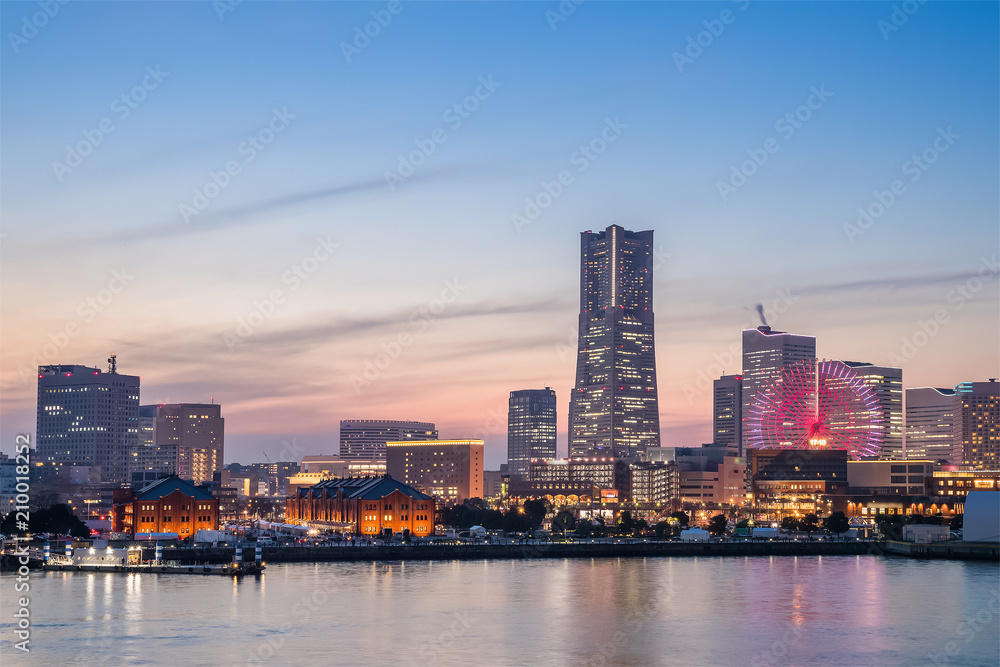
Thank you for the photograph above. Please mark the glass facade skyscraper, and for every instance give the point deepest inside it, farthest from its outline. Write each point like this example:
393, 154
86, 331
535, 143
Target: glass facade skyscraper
613, 407
531, 428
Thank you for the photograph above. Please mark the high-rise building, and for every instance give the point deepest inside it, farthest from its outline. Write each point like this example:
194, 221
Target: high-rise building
613, 408
148, 456
887, 383
977, 423
88, 418
930, 425
531, 428
727, 413
366, 438
765, 353
188, 440
451, 470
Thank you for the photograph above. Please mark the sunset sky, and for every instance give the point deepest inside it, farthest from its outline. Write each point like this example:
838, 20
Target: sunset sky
430, 268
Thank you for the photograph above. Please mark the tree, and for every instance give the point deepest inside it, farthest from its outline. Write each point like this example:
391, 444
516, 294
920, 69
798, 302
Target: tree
681, 517
809, 522
564, 521
717, 525
535, 511
956, 522
837, 523
789, 523
661, 529
58, 519
625, 523
890, 525
584, 528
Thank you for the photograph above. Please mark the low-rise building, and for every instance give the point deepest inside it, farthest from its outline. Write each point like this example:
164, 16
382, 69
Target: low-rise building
910, 477
367, 506
171, 505
956, 483
450, 470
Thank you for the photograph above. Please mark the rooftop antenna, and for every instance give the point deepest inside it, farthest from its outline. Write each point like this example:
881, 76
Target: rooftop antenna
113, 363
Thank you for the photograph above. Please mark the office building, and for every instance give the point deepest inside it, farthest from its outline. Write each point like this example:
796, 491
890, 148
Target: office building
765, 353
930, 425
449, 470
887, 383
977, 423
613, 406
366, 438
911, 477
88, 418
727, 412
188, 440
531, 428
791, 481
363, 506
654, 484
337, 466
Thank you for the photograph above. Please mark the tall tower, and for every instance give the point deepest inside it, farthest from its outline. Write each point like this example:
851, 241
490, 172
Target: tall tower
531, 428
613, 407
88, 418
366, 438
188, 439
765, 353
727, 419
977, 423
887, 383
930, 425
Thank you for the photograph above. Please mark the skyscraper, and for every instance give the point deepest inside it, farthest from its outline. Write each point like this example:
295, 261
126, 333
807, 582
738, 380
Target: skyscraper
366, 438
727, 420
531, 428
977, 423
613, 406
87, 418
887, 383
188, 440
930, 425
765, 353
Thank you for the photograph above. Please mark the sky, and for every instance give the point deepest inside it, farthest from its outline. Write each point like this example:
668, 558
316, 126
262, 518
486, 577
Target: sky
314, 211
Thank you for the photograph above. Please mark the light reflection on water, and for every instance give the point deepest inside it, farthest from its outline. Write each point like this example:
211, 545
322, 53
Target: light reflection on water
670, 611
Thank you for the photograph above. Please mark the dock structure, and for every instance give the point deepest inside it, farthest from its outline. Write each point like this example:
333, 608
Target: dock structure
129, 560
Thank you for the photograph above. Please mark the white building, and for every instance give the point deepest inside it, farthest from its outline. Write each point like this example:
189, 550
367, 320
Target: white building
930, 425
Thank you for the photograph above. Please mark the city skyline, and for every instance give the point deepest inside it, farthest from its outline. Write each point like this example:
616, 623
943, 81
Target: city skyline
437, 274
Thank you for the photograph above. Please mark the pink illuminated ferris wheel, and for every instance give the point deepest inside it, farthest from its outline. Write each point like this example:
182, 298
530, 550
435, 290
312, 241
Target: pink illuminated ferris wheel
817, 404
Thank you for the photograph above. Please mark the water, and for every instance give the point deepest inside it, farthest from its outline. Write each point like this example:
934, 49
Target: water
666, 611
